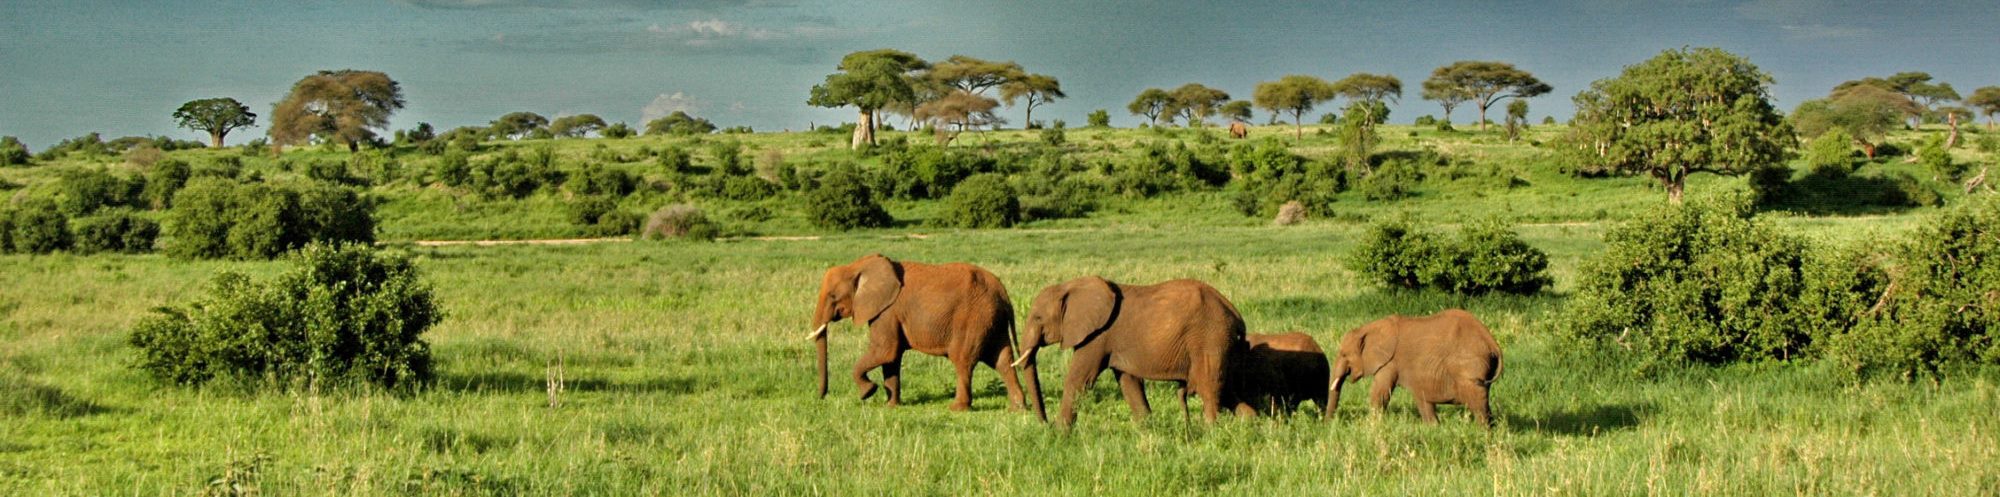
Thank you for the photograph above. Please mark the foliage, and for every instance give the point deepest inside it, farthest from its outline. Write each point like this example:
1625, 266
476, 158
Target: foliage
844, 202
1647, 121
618, 131
13, 152
1705, 282
679, 123
1296, 94
1358, 137
340, 315
90, 145
1395, 178
1481, 82
1485, 257
1194, 102
39, 227
957, 112
84, 191
1831, 154
680, 221
598, 179
517, 125
982, 201
215, 116
221, 218
1031, 90
1271, 176
1864, 113
343, 106
1934, 308
116, 230
1936, 159
1371, 90
576, 126
1162, 168
1151, 103
869, 80
1099, 119
601, 214
1517, 118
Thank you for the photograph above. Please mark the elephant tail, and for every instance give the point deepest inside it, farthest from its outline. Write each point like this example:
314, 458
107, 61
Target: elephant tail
1495, 365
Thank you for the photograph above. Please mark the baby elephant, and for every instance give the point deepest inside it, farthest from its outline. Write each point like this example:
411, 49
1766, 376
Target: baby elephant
1444, 358
1279, 372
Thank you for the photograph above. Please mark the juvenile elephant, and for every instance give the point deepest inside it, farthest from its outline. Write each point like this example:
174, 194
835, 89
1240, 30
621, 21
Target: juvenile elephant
955, 310
1239, 130
1180, 330
1444, 358
1279, 372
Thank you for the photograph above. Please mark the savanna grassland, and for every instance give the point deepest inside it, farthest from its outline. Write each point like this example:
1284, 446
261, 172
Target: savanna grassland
675, 368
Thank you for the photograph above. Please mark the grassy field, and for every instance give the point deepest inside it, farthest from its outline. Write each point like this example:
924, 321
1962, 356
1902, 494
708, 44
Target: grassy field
682, 370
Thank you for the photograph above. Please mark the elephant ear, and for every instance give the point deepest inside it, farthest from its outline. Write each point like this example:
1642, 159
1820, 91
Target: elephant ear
1378, 345
1087, 307
876, 285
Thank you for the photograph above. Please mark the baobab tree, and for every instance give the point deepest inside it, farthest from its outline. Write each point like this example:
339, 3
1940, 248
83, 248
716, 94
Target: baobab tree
868, 81
216, 116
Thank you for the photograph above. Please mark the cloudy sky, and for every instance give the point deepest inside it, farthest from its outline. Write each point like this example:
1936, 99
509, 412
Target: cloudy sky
120, 67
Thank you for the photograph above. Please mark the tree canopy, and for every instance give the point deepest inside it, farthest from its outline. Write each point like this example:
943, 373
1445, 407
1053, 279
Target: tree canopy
1482, 83
869, 80
344, 106
956, 112
975, 75
216, 116
1194, 102
1865, 112
516, 125
1987, 101
1685, 110
576, 126
1152, 103
1296, 94
679, 123
1033, 90
1370, 90
1237, 110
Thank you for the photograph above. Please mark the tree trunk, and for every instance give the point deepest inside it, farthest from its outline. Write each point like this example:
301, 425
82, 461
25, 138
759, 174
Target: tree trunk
1031, 115
1675, 187
864, 130
215, 139
1952, 139
1482, 120
1298, 127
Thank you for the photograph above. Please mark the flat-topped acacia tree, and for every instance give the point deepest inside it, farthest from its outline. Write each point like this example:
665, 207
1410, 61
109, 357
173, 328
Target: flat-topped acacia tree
869, 80
1296, 94
1682, 111
1483, 83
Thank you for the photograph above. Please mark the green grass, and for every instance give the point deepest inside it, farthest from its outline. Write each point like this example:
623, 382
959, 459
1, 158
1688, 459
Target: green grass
685, 374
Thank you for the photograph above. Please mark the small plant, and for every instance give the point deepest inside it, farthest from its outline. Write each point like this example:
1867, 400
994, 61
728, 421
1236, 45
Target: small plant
84, 191
341, 315
679, 222
982, 201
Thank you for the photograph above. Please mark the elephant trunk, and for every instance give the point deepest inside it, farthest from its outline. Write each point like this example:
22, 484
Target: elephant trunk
1340, 370
1025, 363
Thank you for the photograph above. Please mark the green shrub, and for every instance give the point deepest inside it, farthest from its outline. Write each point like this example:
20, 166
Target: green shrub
6, 230
1485, 257
982, 201
166, 178
1770, 182
1831, 155
197, 226
586, 211
1935, 158
83, 191
1054, 136
1392, 180
341, 315
675, 160
115, 230
1270, 175
1099, 118
729, 161
685, 222
13, 152
218, 218
40, 227
1705, 282
1941, 307
597, 179
1425, 120
843, 202
331, 213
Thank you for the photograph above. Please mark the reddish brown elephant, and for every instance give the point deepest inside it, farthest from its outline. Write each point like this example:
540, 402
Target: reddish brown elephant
1180, 330
1239, 130
1443, 358
1279, 372
958, 311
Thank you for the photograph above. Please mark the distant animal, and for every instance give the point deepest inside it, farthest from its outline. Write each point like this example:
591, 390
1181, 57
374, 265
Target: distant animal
1239, 130
1444, 358
1179, 330
958, 311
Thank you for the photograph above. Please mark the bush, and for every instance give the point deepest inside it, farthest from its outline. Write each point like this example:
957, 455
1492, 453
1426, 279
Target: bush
1705, 282
843, 202
6, 230
586, 211
617, 131
675, 160
729, 161
747, 188
13, 152
679, 222
341, 315
166, 179
83, 191
1425, 120
1099, 118
1831, 155
1941, 307
1392, 180
1937, 160
1270, 176
982, 201
40, 227
1485, 257
218, 218
115, 231
331, 171
1054, 136
144, 156
597, 179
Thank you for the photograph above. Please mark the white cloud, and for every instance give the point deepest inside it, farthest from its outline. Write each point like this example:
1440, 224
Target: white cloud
668, 103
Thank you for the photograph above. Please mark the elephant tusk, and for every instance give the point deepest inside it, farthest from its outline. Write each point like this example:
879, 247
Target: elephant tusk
817, 333
1019, 360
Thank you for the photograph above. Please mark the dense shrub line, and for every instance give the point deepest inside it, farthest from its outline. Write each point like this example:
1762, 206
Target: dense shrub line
1484, 257
219, 218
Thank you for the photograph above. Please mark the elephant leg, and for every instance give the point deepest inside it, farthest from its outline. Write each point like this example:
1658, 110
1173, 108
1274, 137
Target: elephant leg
1184, 395
1378, 393
892, 378
962, 401
1084, 366
881, 351
1135, 394
1474, 397
1428, 411
1003, 363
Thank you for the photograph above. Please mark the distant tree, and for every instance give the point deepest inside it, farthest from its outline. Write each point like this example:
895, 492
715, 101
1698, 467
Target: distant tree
1683, 111
1986, 100
1151, 103
1445, 93
1517, 118
1194, 102
957, 112
13, 153
516, 125
343, 106
1032, 90
869, 80
1916, 86
1483, 83
679, 123
1238, 110
617, 131
419, 135
1865, 112
216, 116
1099, 118
974, 75
1373, 89
1296, 94
576, 126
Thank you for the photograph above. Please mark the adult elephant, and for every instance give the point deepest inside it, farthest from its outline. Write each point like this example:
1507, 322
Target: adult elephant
958, 311
1180, 330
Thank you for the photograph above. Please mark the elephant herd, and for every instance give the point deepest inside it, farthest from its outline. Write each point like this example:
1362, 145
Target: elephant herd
1182, 331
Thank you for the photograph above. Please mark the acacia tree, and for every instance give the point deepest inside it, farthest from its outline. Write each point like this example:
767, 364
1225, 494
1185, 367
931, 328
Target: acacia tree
1236, 110
1033, 89
1444, 93
576, 126
1371, 90
869, 80
1152, 103
1986, 100
216, 116
1296, 94
515, 125
974, 75
1194, 102
958, 111
1865, 112
679, 123
1486, 82
1916, 86
345, 106
1683, 111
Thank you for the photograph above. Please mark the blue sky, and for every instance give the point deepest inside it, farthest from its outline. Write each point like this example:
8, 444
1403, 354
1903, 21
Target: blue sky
122, 67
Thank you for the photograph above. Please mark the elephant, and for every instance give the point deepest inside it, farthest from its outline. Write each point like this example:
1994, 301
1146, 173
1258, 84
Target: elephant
1238, 130
1448, 357
1279, 372
1179, 330
957, 310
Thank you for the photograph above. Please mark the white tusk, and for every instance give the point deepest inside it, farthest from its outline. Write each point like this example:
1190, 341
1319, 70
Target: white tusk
816, 333
1018, 360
